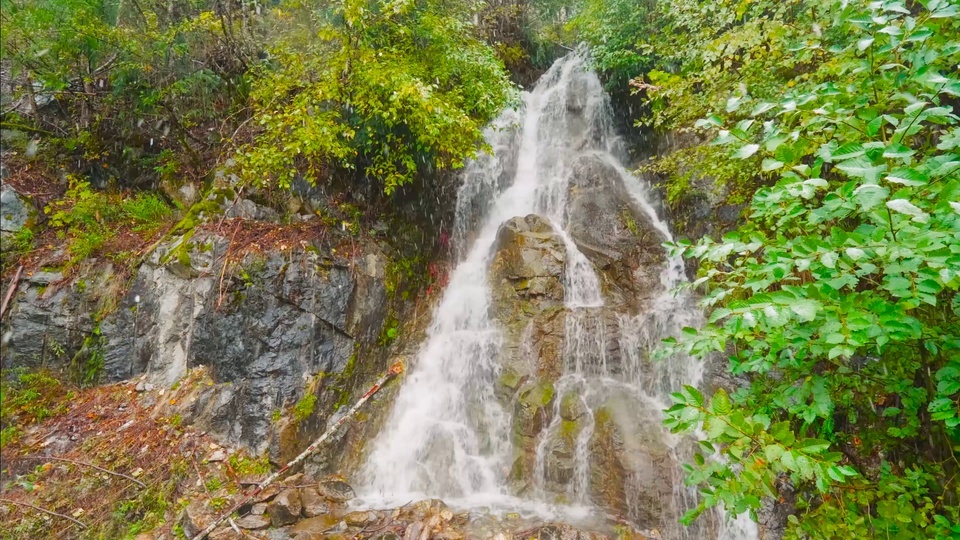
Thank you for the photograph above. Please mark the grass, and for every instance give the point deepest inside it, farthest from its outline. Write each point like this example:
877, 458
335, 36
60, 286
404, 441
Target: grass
89, 219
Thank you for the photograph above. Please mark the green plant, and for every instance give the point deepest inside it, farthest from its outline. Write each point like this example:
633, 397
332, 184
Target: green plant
28, 397
838, 298
305, 407
87, 365
241, 463
349, 87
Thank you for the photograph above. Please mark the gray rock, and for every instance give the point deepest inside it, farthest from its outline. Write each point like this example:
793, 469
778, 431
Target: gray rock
48, 321
335, 490
617, 236
285, 508
195, 517
286, 317
14, 210
253, 522
258, 509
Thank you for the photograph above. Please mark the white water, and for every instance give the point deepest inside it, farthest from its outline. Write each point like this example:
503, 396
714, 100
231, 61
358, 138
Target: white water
448, 436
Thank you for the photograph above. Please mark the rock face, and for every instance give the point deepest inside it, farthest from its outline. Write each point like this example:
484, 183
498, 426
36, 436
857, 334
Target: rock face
269, 326
616, 235
14, 210
529, 262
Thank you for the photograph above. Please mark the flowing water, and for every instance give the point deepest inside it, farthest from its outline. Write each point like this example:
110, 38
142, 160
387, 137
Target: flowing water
448, 436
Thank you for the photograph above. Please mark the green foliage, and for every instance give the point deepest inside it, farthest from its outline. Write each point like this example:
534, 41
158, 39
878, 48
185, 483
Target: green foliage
838, 299
89, 218
243, 464
305, 407
390, 90
15, 245
87, 365
131, 81
28, 397
614, 29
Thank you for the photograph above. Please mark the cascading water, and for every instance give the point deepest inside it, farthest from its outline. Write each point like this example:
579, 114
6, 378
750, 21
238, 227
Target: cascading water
449, 436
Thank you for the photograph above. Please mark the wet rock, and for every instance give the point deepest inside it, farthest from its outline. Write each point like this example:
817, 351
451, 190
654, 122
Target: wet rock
335, 490
555, 531
285, 508
613, 232
533, 408
253, 522
319, 525
530, 256
360, 518
313, 504
14, 210
572, 406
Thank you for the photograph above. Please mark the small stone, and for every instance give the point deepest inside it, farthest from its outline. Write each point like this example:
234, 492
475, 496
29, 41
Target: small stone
268, 493
194, 518
294, 480
360, 518
217, 456
335, 490
141, 387
258, 509
253, 522
413, 531
225, 533
313, 504
319, 525
285, 508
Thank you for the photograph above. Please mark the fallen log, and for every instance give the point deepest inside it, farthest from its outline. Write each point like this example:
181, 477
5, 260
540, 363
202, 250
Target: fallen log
9, 296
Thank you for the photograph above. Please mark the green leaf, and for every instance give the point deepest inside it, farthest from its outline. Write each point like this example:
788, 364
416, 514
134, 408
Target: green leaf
746, 151
720, 404
770, 165
870, 195
904, 206
806, 310
847, 151
897, 151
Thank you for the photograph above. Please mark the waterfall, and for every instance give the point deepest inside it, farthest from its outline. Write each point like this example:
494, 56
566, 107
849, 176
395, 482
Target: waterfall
448, 436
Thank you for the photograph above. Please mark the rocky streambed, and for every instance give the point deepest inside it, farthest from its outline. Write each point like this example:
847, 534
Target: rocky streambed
305, 508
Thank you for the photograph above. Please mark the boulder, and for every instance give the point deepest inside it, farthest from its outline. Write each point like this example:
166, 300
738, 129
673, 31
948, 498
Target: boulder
613, 232
319, 525
195, 517
335, 490
313, 504
15, 210
533, 409
285, 508
253, 522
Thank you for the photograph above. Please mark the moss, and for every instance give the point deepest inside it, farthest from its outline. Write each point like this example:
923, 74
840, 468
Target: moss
305, 407
538, 395
510, 378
